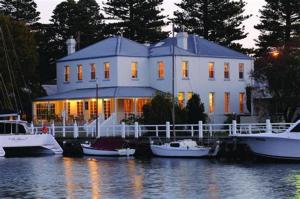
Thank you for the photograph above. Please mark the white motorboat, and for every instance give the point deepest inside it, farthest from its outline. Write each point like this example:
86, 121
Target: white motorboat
107, 147
16, 139
284, 145
183, 148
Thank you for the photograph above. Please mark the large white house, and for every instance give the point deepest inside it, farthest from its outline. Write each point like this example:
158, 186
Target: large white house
129, 74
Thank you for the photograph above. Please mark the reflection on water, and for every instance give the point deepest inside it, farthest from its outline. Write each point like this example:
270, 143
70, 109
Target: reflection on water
53, 177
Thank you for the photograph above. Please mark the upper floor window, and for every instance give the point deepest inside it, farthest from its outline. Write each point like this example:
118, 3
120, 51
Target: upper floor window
241, 102
226, 102
226, 71
134, 71
79, 72
241, 71
211, 70
161, 70
184, 69
67, 73
211, 102
181, 99
106, 70
93, 71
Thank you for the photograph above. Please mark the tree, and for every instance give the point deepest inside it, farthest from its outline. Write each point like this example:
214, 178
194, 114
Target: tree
139, 20
279, 23
18, 60
216, 20
20, 10
195, 110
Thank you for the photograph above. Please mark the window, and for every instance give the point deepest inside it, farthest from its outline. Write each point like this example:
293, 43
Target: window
226, 71
67, 73
80, 108
106, 70
189, 95
79, 72
211, 70
93, 108
161, 70
185, 69
93, 71
211, 102
128, 107
226, 102
134, 72
140, 104
45, 111
181, 99
241, 71
241, 102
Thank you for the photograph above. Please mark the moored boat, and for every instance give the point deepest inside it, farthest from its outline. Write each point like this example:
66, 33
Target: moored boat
108, 147
283, 145
183, 148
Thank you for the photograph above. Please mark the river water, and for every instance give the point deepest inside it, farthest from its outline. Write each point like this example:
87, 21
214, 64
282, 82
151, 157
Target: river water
57, 177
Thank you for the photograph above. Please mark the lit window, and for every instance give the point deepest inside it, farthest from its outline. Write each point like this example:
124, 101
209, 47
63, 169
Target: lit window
226, 71
93, 71
189, 95
184, 69
140, 104
79, 72
241, 102
45, 111
211, 70
161, 70
134, 72
67, 73
211, 102
93, 108
80, 108
128, 107
106, 70
241, 71
226, 102
181, 99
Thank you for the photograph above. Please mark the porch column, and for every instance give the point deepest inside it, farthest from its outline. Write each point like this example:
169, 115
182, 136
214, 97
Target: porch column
116, 106
135, 105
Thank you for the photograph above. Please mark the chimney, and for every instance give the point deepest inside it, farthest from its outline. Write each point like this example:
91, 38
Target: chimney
71, 44
182, 40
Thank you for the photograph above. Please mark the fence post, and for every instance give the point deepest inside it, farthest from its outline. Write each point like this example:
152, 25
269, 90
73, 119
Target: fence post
156, 131
234, 127
250, 129
268, 126
53, 129
192, 130
210, 130
136, 129
123, 130
200, 128
98, 130
32, 128
75, 130
168, 130
64, 128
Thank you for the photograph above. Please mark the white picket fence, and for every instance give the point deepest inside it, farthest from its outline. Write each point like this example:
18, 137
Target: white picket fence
136, 130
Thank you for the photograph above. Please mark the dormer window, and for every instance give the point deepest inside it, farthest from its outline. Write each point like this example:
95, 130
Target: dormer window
134, 71
79, 72
106, 70
161, 70
185, 70
93, 71
67, 73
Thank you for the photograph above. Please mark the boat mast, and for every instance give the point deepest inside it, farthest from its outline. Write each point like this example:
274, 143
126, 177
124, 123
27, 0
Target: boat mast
173, 82
97, 108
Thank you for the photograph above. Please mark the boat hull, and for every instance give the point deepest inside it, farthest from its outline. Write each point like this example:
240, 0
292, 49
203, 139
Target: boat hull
164, 151
87, 150
274, 147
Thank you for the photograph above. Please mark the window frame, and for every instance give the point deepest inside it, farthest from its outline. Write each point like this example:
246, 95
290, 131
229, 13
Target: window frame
211, 102
211, 73
226, 72
185, 72
79, 72
134, 73
161, 71
67, 73
106, 65
93, 71
241, 72
241, 102
227, 102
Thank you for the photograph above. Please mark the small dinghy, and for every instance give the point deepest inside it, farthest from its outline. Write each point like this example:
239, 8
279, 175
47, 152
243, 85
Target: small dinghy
108, 147
183, 148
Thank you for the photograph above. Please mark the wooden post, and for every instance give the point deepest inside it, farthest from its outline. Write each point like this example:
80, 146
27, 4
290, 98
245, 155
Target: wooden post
268, 126
75, 130
53, 129
123, 127
200, 129
192, 130
156, 131
32, 128
136, 130
234, 127
168, 130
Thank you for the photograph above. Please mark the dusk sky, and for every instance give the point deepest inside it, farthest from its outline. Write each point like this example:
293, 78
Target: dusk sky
46, 7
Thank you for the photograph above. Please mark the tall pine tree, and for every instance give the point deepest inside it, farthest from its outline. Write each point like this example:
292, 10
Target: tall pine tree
216, 20
139, 20
279, 23
20, 10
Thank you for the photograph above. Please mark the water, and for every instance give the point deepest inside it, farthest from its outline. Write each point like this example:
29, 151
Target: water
57, 177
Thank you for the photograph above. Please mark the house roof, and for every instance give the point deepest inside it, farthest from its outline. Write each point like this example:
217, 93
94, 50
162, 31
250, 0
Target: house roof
104, 92
120, 46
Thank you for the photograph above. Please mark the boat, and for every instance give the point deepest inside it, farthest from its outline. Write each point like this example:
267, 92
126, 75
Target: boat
108, 147
279, 145
17, 140
183, 148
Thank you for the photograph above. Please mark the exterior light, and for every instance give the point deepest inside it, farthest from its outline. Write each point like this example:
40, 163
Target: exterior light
275, 53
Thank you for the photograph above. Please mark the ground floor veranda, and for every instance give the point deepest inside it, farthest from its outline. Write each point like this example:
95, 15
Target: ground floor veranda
85, 110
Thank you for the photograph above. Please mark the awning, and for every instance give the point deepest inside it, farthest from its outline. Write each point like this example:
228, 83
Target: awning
106, 92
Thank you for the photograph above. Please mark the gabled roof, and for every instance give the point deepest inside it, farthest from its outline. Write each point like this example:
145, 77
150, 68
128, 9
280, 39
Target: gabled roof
112, 46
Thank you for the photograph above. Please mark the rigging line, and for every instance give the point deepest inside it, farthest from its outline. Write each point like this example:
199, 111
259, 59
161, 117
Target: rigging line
6, 92
17, 60
5, 104
13, 75
9, 70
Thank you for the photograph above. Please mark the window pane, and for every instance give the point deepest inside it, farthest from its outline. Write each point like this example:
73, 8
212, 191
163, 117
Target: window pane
211, 103
134, 72
241, 71
93, 71
67, 73
241, 102
184, 69
226, 71
106, 70
181, 99
161, 70
226, 102
211, 72
79, 72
